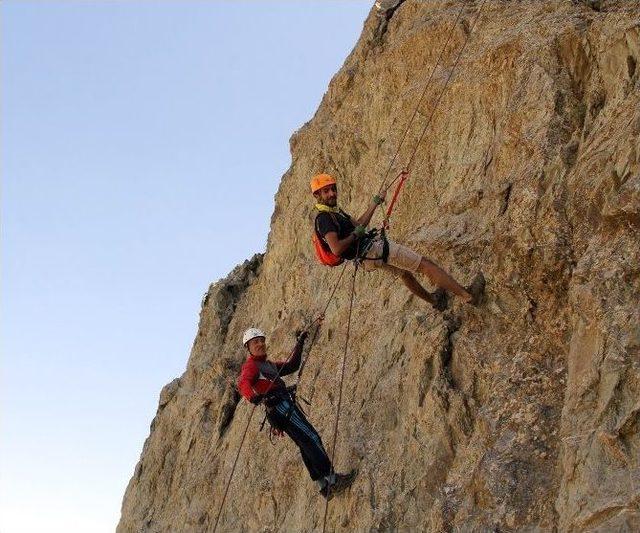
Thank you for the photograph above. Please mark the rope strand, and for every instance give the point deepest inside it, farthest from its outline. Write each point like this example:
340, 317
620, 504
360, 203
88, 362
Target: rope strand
344, 360
453, 68
415, 112
315, 333
403, 174
233, 468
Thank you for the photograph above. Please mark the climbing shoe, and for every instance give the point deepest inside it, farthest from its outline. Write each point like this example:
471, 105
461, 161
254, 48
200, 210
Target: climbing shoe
340, 484
476, 289
440, 300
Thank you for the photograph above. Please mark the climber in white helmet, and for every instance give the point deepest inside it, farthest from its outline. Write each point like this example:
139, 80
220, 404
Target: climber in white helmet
261, 381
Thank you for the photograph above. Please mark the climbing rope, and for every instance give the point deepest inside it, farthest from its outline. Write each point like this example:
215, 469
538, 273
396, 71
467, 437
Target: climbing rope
344, 359
424, 91
315, 333
233, 468
246, 429
403, 175
444, 89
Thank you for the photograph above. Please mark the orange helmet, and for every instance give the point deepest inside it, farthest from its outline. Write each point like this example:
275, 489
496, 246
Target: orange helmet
321, 180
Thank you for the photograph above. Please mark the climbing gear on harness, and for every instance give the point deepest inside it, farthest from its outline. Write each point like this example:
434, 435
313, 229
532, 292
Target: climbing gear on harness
367, 242
273, 399
252, 333
359, 231
257, 399
321, 180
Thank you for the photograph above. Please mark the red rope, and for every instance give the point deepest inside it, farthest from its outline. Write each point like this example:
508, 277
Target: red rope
403, 177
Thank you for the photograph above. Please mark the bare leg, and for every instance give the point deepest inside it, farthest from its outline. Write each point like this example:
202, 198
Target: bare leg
443, 280
411, 283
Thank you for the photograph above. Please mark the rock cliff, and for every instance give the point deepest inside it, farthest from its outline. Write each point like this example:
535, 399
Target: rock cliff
522, 414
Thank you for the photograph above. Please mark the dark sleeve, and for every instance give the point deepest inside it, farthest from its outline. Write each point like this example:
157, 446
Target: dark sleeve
325, 224
293, 363
248, 376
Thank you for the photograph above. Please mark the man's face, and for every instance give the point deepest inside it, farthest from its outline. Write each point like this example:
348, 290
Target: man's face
257, 346
328, 195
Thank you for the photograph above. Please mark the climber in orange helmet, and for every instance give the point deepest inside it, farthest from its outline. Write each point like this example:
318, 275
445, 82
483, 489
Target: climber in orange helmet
340, 237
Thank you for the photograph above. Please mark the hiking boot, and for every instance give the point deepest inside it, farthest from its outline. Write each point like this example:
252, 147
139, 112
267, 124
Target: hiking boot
476, 289
440, 300
341, 483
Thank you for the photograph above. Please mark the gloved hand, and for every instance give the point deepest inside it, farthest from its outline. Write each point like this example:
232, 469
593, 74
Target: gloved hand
256, 399
378, 200
302, 335
359, 231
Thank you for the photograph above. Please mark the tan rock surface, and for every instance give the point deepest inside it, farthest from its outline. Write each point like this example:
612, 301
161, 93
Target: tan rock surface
522, 414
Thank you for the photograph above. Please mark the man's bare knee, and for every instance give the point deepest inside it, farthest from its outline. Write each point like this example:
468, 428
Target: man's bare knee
427, 264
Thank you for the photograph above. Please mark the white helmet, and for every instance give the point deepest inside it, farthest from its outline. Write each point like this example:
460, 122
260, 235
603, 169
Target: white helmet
252, 333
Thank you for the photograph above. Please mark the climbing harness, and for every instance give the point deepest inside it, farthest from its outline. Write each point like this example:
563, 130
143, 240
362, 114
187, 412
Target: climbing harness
367, 242
290, 393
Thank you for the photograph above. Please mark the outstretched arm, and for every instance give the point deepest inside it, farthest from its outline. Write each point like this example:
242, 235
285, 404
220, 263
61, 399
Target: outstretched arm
293, 363
365, 218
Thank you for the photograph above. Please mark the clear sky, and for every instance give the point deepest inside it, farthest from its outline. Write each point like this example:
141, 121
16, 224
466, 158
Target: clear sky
142, 144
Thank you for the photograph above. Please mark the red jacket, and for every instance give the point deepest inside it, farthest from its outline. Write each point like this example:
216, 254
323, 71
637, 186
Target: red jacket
260, 376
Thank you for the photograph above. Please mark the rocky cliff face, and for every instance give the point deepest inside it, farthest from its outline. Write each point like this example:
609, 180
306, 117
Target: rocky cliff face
522, 414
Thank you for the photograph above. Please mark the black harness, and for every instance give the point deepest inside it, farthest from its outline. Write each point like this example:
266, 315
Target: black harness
274, 398
365, 242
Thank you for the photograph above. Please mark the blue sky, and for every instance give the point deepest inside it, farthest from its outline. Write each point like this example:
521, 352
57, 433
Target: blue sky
142, 144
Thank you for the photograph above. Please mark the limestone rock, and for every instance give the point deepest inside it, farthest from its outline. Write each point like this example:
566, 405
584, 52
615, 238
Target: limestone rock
520, 415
